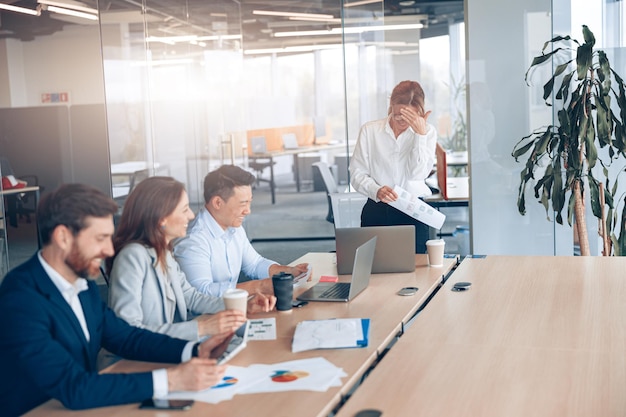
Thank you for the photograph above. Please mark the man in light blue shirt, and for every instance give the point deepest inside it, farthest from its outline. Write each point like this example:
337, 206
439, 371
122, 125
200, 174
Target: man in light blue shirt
216, 248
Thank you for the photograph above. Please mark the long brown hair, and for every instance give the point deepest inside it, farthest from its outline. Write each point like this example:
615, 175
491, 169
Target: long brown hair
148, 204
409, 93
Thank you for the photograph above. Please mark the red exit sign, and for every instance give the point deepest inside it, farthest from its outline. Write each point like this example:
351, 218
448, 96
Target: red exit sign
48, 98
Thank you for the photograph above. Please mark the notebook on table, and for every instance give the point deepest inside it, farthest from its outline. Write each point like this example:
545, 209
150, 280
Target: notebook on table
346, 291
395, 248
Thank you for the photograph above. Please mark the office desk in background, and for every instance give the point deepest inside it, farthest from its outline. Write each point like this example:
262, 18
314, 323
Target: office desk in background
29, 189
457, 193
294, 152
534, 336
132, 173
388, 313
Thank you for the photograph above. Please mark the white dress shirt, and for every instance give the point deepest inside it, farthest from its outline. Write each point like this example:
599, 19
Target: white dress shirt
381, 159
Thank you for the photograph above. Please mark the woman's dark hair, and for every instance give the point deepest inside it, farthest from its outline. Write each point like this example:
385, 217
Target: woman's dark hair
148, 204
69, 205
409, 93
223, 181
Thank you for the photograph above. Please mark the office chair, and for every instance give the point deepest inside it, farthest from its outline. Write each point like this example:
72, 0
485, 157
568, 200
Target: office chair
258, 145
135, 179
330, 184
259, 165
344, 207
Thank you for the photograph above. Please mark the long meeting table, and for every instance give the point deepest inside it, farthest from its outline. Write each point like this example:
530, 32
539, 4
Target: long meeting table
533, 336
387, 311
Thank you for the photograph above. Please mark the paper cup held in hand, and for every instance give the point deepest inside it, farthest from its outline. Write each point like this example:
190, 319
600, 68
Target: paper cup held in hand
236, 299
435, 248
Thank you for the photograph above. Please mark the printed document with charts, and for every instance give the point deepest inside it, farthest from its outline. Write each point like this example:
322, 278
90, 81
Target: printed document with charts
330, 334
416, 208
312, 374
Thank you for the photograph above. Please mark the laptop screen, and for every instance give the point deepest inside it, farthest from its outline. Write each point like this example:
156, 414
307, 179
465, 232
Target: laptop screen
395, 250
290, 141
258, 144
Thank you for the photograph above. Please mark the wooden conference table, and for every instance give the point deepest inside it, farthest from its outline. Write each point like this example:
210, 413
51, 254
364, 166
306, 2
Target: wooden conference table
534, 336
379, 302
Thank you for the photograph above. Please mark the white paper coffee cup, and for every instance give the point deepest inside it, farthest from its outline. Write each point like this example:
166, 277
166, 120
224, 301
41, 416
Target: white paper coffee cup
236, 299
435, 249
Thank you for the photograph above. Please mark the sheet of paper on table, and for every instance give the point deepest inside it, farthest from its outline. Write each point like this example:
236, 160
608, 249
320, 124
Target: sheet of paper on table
262, 329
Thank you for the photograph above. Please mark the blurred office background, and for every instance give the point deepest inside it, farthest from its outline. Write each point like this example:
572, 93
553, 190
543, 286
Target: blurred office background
122, 89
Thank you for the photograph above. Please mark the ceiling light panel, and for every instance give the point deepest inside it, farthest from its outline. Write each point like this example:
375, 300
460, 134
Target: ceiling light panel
290, 14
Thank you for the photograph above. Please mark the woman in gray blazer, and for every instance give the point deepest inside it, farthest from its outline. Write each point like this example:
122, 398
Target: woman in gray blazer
147, 287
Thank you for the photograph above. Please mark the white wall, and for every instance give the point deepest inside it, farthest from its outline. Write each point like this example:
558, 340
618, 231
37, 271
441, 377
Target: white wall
68, 61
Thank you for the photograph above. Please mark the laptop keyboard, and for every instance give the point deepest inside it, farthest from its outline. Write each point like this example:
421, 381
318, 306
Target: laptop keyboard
338, 291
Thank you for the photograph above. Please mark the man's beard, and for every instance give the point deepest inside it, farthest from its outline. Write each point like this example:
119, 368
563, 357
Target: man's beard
82, 267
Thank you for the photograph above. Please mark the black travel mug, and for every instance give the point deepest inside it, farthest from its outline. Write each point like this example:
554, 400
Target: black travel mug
283, 290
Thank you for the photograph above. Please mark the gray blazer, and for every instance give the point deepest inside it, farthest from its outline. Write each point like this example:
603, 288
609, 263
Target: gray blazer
140, 294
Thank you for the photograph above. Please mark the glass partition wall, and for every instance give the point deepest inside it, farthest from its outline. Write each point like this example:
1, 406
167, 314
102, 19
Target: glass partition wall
503, 109
190, 85
127, 89
132, 88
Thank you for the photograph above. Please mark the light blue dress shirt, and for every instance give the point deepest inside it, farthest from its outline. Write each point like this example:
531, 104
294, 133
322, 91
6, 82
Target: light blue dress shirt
212, 257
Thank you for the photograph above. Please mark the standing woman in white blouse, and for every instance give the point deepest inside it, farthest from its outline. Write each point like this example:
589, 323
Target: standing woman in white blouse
148, 288
396, 150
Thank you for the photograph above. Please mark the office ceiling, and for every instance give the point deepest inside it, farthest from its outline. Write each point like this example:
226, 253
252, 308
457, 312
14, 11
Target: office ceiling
232, 17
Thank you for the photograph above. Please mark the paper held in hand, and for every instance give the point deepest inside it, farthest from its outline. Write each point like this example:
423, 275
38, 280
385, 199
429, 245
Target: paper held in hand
416, 208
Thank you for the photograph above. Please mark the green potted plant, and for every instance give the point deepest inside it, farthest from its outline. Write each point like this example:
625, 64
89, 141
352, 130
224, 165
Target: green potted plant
588, 137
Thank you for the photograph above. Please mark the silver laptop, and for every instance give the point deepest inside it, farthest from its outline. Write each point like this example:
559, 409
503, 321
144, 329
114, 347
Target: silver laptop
395, 249
346, 291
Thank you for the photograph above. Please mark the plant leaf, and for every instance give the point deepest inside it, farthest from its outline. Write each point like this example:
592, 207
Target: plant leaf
590, 143
562, 94
588, 36
594, 192
584, 56
603, 104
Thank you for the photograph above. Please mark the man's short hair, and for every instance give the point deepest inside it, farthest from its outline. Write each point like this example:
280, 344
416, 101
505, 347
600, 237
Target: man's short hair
223, 181
69, 205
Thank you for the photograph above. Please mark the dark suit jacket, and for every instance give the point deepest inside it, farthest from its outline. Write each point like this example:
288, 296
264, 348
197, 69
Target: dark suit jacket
44, 353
